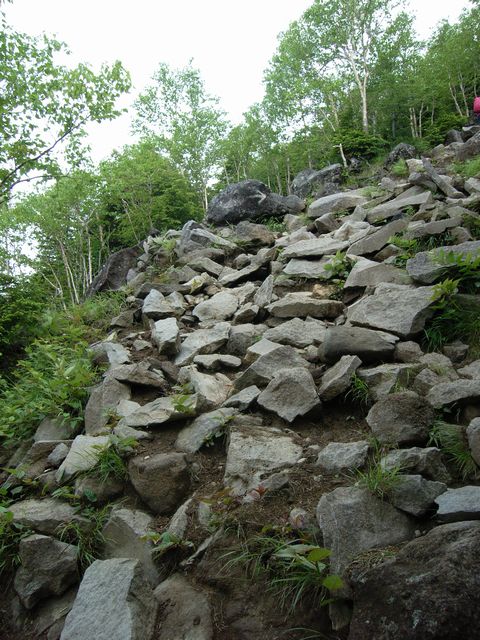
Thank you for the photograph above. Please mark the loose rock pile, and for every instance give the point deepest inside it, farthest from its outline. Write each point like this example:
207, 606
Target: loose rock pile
228, 368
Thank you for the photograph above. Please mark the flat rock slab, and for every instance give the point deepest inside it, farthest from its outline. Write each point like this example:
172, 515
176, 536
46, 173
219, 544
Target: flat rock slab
186, 611
444, 567
268, 365
254, 452
215, 362
243, 399
203, 430
309, 269
342, 457
219, 307
401, 418
290, 394
352, 520
394, 308
295, 305
156, 307
428, 266
202, 341
459, 504
367, 273
426, 461
375, 241
166, 336
297, 332
370, 346
448, 392
114, 601
325, 245
414, 197
336, 202
104, 399
83, 456
45, 516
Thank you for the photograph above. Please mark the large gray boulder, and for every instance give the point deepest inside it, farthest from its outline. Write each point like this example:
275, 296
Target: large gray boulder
339, 377
427, 266
402, 151
401, 418
370, 346
202, 341
291, 393
459, 504
113, 274
469, 149
268, 365
426, 461
446, 393
162, 480
104, 400
48, 568
114, 601
444, 567
319, 183
203, 429
250, 200
47, 515
352, 520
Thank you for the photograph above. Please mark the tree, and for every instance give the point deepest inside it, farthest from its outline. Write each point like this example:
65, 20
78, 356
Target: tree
186, 122
44, 106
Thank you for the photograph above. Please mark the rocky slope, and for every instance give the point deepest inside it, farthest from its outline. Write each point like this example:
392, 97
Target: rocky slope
274, 385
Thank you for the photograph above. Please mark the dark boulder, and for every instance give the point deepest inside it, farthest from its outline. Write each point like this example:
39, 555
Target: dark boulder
319, 183
469, 149
402, 151
428, 592
113, 274
453, 136
250, 200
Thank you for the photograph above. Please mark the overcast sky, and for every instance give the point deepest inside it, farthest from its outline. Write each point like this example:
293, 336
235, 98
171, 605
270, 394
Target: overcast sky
230, 41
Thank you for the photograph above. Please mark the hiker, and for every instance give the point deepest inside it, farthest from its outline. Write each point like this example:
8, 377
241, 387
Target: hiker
476, 110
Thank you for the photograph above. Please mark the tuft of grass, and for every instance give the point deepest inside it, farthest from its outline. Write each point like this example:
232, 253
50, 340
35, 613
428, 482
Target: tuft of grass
400, 168
295, 571
88, 540
451, 440
469, 168
11, 534
111, 460
359, 391
272, 224
376, 478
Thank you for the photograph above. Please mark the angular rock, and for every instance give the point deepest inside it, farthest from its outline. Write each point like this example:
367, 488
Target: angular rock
194, 236
295, 305
114, 601
473, 435
401, 418
401, 151
413, 197
186, 611
309, 269
459, 504
263, 296
111, 352
352, 520
203, 429
217, 308
126, 535
166, 336
394, 308
336, 202
211, 391
343, 457
370, 346
415, 495
448, 392
52, 429
48, 568
418, 460
204, 264
161, 480
297, 333
249, 200
254, 452
139, 374
339, 377
322, 182
170, 408
156, 307
113, 274
103, 400
253, 234
243, 399
367, 273
386, 605
469, 149
103, 490
291, 393
46, 515
83, 456
202, 341
325, 245
242, 336
265, 367
383, 379
440, 181
217, 361
376, 240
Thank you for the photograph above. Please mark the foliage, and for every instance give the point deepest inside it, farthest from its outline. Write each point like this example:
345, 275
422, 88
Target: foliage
379, 480
166, 542
11, 533
111, 458
185, 122
358, 144
469, 168
295, 571
359, 391
46, 105
451, 439
400, 168
465, 267
339, 266
87, 537
54, 377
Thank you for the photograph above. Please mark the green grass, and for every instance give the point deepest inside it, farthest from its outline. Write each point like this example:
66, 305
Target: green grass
469, 168
451, 440
359, 392
296, 572
88, 540
376, 478
11, 534
400, 168
111, 459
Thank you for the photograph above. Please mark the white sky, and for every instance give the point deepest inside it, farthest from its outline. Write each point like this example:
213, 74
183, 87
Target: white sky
230, 41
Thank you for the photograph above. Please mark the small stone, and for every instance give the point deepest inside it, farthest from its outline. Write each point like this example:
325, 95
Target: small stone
166, 336
342, 457
401, 418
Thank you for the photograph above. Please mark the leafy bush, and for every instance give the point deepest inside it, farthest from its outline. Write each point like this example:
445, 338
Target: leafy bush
400, 168
11, 533
469, 168
358, 144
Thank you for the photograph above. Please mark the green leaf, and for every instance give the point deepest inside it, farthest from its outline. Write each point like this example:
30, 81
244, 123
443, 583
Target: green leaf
332, 582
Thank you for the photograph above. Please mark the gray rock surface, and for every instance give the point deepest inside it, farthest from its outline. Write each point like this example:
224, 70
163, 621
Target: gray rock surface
291, 393
202, 341
343, 457
186, 611
297, 332
219, 307
253, 452
336, 202
48, 568
161, 480
370, 346
448, 392
426, 461
114, 601
386, 605
428, 266
322, 182
296, 305
266, 366
401, 418
203, 430
339, 377
352, 520
83, 456
166, 336
415, 495
375, 241
394, 308
459, 504
473, 435
103, 400
45, 516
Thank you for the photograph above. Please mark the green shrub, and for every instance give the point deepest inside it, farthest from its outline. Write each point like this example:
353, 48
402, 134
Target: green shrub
111, 460
452, 441
469, 168
400, 168
358, 144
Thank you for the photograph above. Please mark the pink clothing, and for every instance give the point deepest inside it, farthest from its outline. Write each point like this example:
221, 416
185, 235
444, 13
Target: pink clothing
476, 105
